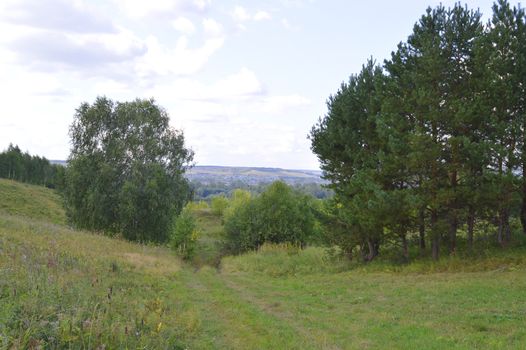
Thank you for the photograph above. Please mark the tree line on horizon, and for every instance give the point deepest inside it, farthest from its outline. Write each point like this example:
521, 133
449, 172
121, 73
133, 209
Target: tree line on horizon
209, 190
23, 167
434, 139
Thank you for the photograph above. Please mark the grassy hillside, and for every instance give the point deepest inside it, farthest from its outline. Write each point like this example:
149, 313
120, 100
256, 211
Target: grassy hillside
30, 201
252, 174
61, 288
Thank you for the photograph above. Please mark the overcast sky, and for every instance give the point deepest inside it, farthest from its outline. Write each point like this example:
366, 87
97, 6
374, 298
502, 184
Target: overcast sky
244, 80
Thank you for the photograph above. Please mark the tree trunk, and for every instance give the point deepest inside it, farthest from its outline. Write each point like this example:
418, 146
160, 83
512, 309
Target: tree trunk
453, 222
523, 159
500, 229
504, 233
507, 229
373, 248
471, 226
348, 254
500, 238
371, 254
405, 248
422, 230
453, 225
435, 247
523, 207
435, 241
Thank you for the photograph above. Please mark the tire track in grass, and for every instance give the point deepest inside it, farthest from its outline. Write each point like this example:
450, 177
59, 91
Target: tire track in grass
230, 321
315, 338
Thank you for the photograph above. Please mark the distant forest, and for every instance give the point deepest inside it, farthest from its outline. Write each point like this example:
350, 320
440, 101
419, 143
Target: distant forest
208, 190
23, 167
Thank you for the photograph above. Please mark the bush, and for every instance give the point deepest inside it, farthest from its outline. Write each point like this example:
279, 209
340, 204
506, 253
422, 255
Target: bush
278, 215
240, 198
219, 204
240, 228
184, 234
199, 205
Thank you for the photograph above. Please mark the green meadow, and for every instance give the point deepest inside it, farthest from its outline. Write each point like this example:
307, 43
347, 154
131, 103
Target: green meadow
63, 288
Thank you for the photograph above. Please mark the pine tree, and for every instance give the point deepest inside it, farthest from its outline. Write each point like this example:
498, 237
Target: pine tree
347, 143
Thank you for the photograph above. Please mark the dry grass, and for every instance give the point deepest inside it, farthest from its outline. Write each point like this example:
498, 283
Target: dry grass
156, 265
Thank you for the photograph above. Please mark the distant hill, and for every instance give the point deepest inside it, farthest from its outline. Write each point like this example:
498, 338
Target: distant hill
248, 175
59, 162
252, 175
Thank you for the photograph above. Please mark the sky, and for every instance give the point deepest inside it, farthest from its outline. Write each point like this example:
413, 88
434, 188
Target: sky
244, 80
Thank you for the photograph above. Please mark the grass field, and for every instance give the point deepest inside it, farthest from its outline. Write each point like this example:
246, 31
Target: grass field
61, 288
35, 202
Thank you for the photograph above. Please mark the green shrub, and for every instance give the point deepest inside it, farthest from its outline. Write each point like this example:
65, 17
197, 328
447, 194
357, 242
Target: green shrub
240, 198
219, 204
198, 205
184, 234
278, 215
241, 228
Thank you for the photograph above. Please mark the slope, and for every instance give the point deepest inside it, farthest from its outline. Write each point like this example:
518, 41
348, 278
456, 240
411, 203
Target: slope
62, 288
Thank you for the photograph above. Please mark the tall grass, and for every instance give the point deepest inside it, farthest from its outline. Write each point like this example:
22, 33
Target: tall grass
67, 289
288, 260
285, 260
31, 201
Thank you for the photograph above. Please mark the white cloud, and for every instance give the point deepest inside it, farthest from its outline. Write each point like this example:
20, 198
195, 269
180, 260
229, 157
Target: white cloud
244, 83
239, 117
121, 42
181, 60
240, 14
116, 89
233, 88
279, 104
212, 28
183, 25
60, 15
296, 3
58, 35
285, 22
166, 8
52, 61
51, 51
201, 5
27, 83
118, 54
262, 16
141, 8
